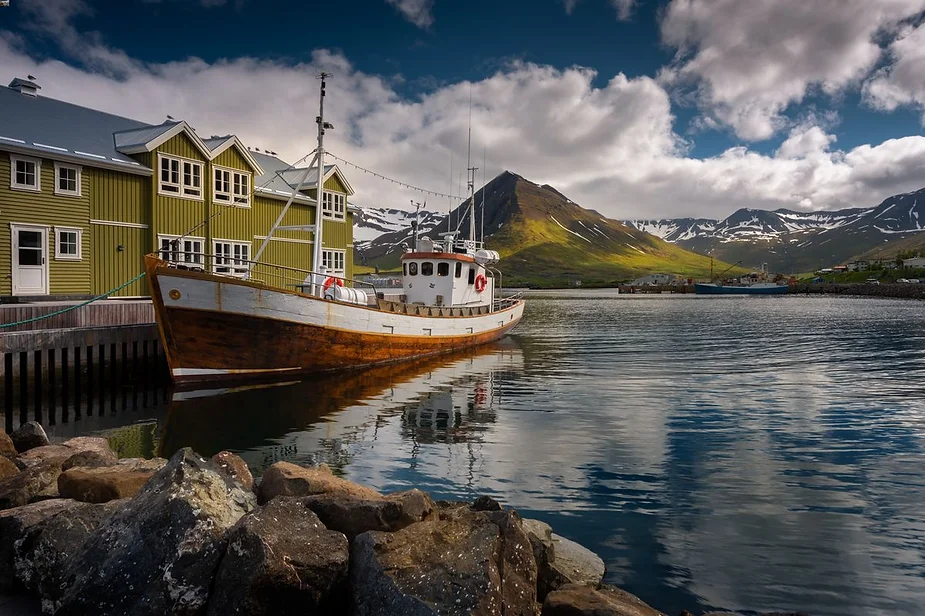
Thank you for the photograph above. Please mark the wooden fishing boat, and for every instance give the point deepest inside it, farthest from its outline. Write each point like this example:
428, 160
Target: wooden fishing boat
217, 327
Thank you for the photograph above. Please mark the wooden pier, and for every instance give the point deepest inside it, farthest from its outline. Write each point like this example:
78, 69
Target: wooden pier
105, 356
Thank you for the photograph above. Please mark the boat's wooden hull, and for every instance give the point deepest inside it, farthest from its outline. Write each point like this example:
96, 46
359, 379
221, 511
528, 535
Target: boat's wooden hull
218, 329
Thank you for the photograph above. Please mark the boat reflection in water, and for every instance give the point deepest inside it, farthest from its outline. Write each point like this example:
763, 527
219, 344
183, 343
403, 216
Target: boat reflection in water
447, 399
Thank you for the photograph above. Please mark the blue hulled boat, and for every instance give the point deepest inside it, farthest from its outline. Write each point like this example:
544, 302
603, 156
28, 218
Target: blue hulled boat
760, 288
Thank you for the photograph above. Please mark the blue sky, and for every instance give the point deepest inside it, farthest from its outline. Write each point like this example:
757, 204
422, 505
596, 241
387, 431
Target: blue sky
633, 107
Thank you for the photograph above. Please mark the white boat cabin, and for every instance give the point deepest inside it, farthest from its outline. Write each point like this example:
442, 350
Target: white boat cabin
448, 274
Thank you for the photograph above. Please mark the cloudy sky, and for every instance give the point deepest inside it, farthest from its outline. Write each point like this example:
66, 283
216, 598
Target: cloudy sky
636, 108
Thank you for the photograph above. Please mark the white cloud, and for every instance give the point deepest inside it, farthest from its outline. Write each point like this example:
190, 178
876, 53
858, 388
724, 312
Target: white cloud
611, 147
903, 82
418, 12
747, 61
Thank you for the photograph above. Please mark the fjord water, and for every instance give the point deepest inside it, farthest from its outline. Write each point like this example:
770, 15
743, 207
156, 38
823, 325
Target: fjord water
752, 453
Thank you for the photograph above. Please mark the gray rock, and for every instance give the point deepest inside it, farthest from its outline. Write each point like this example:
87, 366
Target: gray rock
457, 564
89, 459
486, 503
13, 525
45, 550
22, 488
70, 453
352, 515
279, 557
159, 553
580, 600
576, 564
28, 436
56, 454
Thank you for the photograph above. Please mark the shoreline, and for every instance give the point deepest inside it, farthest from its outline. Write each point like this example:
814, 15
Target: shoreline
84, 532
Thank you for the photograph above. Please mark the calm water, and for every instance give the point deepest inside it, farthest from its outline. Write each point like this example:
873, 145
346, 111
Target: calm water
742, 453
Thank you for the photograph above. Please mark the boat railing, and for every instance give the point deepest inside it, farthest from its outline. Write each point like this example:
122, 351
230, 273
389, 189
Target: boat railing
507, 301
281, 277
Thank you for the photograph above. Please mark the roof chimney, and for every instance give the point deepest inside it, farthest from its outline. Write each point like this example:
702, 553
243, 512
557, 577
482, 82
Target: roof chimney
23, 86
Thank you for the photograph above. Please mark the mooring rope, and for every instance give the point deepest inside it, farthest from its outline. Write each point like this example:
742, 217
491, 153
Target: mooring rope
74, 307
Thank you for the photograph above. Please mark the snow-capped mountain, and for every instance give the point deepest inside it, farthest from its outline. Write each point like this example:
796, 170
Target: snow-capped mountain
373, 222
796, 241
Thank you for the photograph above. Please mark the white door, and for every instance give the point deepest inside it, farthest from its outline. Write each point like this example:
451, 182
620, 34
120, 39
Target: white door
30, 260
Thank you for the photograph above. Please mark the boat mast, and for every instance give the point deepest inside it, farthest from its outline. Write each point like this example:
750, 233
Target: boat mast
319, 194
471, 173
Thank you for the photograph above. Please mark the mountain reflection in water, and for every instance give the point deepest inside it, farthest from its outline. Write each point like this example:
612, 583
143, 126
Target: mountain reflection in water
447, 399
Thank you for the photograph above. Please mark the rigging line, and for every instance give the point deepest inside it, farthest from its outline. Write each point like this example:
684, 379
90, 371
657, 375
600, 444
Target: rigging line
388, 179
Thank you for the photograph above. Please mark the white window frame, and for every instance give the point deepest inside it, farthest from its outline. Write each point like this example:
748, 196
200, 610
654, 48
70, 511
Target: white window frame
59, 256
184, 257
37, 187
232, 193
232, 257
60, 191
334, 205
184, 190
331, 258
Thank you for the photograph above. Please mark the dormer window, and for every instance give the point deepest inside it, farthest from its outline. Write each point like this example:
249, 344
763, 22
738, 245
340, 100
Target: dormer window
232, 187
180, 178
334, 205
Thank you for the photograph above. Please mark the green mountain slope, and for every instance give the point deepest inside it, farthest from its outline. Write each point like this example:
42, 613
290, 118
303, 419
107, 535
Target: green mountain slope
545, 239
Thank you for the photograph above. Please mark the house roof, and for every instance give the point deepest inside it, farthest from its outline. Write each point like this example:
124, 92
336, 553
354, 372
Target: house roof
44, 126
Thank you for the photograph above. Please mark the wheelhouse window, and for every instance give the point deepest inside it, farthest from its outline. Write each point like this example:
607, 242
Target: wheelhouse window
67, 244
443, 269
179, 177
427, 268
26, 173
232, 257
333, 205
471, 275
67, 180
404, 269
458, 269
181, 251
334, 261
412, 269
232, 187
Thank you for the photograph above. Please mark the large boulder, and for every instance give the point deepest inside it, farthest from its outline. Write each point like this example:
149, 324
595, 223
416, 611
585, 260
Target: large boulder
581, 600
13, 525
45, 550
352, 515
7, 469
100, 484
465, 562
7, 448
71, 453
22, 488
279, 557
235, 467
287, 479
159, 553
28, 436
576, 564
540, 535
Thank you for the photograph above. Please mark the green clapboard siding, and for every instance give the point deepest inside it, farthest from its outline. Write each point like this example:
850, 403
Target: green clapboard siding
112, 267
177, 215
232, 158
333, 183
46, 209
119, 197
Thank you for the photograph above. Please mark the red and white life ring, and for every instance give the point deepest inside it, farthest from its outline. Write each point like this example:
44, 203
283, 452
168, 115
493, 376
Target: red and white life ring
332, 281
480, 283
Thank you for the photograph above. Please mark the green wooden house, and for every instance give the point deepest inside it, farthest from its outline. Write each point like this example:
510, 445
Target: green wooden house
84, 195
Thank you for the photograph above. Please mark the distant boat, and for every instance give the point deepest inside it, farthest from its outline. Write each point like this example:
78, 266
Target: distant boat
759, 288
